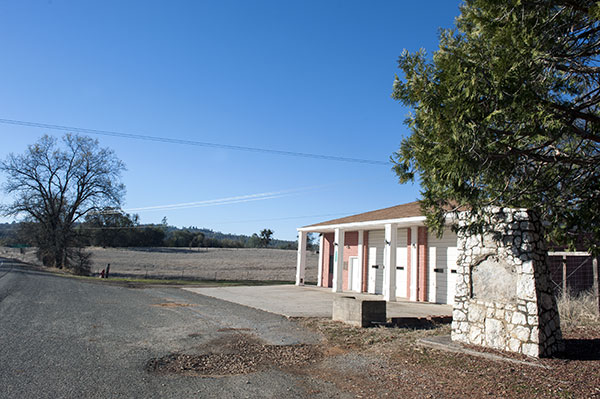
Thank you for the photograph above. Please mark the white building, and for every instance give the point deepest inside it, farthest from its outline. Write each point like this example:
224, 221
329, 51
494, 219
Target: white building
388, 251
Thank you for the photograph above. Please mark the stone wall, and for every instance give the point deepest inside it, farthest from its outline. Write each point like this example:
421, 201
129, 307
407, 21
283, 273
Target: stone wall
503, 295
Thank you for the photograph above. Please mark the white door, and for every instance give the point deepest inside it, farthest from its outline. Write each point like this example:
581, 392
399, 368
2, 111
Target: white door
354, 274
375, 263
435, 275
452, 273
441, 271
401, 266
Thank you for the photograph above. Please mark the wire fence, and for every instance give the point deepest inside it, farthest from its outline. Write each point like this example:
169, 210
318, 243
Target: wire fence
572, 272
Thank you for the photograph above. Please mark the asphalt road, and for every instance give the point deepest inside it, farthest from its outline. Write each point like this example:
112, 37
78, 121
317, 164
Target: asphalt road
65, 338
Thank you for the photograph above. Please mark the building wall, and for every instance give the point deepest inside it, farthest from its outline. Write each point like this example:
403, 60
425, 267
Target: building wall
422, 271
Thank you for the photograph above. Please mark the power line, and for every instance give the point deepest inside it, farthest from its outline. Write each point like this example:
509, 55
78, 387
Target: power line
191, 142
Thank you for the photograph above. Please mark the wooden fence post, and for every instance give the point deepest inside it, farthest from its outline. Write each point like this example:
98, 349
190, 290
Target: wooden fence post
595, 286
564, 274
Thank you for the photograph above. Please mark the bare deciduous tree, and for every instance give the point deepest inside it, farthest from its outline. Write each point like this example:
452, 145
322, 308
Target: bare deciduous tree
55, 183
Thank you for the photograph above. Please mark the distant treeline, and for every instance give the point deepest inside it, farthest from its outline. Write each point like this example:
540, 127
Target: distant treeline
125, 231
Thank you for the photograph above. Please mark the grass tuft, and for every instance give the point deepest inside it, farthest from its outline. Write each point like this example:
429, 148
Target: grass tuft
578, 310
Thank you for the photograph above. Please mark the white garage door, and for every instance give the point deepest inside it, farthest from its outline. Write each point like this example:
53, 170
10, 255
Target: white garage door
452, 256
376, 247
442, 263
401, 266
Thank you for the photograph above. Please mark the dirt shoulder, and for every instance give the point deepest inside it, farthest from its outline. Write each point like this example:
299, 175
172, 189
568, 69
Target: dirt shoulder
389, 362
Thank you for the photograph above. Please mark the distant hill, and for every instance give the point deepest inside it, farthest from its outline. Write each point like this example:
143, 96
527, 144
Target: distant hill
134, 236
217, 235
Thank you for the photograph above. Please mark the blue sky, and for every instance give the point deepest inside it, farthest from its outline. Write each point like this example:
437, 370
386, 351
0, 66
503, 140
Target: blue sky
305, 76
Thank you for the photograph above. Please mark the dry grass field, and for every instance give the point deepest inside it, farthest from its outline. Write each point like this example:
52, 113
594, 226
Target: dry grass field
195, 263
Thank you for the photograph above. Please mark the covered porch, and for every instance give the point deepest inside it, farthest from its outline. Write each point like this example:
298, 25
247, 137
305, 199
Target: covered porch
349, 263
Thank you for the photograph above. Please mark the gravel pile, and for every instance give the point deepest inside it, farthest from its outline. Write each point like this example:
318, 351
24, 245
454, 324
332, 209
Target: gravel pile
237, 354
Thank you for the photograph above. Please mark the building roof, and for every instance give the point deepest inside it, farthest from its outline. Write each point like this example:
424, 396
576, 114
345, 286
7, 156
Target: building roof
411, 209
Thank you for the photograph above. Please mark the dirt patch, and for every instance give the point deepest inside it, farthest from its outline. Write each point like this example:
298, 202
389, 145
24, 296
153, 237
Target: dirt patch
233, 355
380, 362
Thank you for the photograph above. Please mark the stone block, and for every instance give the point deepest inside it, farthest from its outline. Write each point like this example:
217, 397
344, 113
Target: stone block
519, 319
476, 314
495, 334
526, 288
521, 333
459, 315
530, 349
534, 335
514, 345
358, 312
527, 267
475, 335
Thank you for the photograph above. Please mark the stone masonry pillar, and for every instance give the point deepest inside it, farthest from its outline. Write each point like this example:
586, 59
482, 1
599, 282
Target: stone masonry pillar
503, 294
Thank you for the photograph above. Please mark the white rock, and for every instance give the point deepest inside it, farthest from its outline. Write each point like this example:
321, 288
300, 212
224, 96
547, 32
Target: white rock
531, 350
534, 335
521, 333
500, 314
476, 314
459, 315
527, 267
475, 335
526, 287
495, 334
514, 345
519, 319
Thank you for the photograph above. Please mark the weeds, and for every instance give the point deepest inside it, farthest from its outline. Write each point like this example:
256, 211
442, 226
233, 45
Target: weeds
578, 310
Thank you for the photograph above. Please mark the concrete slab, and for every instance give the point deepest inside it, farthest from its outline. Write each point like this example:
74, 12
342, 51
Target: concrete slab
311, 301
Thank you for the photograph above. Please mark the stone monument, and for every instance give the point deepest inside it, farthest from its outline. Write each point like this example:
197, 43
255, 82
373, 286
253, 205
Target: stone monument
503, 295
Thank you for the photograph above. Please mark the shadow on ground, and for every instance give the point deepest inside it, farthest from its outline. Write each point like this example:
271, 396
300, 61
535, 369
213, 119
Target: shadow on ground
581, 349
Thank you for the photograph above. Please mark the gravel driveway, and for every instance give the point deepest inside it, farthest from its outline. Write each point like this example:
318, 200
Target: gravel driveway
64, 338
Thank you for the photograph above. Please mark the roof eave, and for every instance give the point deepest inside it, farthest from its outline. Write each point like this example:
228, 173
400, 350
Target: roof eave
370, 224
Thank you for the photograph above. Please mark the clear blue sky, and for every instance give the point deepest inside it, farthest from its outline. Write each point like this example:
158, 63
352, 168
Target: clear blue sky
306, 76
